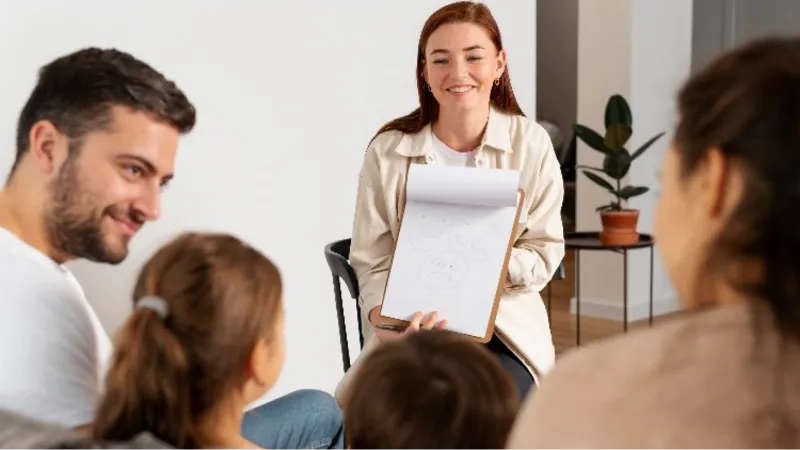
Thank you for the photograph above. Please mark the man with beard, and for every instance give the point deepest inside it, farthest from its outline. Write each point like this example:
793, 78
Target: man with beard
96, 143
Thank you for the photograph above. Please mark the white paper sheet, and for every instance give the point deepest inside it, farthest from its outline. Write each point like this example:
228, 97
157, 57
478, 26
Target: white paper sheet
462, 185
452, 244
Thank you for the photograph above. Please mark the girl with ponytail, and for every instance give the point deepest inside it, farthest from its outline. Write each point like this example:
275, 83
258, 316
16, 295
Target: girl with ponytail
204, 340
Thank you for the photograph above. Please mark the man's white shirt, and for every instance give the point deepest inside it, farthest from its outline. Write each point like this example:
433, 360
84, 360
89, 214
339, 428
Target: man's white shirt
53, 349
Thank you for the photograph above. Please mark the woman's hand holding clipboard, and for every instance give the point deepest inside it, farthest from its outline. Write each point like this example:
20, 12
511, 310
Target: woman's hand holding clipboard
386, 332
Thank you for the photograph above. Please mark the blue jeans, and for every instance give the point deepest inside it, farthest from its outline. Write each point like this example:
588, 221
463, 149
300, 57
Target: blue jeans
302, 419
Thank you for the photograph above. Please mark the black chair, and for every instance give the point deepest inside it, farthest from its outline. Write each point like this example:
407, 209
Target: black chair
337, 255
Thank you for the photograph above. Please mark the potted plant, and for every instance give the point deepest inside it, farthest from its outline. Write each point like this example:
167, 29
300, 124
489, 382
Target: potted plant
619, 222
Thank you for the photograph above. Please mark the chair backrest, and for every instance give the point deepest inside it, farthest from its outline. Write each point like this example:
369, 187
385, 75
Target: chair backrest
337, 254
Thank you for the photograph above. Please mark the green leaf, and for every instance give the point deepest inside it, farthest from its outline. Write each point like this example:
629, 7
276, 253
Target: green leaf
617, 165
600, 181
617, 136
631, 191
646, 145
618, 112
596, 169
591, 138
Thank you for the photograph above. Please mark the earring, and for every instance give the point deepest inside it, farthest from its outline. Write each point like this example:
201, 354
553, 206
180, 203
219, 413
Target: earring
497, 81
429, 88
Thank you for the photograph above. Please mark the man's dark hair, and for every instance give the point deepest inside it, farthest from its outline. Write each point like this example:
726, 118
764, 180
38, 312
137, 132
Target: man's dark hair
76, 92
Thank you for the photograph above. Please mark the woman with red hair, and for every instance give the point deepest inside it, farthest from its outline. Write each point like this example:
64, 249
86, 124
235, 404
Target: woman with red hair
467, 116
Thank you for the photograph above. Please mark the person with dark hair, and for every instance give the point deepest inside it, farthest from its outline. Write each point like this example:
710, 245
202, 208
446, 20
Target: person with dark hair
96, 144
433, 389
724, 373
204, 340
468, 116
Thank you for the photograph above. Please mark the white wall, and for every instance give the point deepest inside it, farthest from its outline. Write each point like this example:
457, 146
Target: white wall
642, 50
280, 135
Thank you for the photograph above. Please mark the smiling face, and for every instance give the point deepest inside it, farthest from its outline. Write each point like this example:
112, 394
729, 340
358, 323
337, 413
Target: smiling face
109, 186
461, 66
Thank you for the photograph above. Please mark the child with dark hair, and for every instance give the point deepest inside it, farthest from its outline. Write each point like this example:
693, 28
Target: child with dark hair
430, 389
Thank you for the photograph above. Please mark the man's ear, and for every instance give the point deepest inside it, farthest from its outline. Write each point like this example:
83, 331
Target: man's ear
48, 147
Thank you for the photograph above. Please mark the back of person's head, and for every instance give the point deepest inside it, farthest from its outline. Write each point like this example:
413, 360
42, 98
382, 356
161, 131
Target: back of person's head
732, 181
218, 343
432, 389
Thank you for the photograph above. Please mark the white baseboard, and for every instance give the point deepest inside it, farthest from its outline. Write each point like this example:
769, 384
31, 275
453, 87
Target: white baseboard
605, 309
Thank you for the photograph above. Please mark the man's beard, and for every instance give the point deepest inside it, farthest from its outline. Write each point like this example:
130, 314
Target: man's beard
74, 229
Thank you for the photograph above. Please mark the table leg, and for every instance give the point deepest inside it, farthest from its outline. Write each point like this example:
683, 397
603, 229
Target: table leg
651, 285
625, 289
578, 297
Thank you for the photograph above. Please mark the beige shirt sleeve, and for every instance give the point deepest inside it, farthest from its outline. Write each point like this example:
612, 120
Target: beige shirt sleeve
543, 234
372, 241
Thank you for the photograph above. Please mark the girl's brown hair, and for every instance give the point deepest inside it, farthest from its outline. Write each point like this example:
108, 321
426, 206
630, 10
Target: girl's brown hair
223, 297
432, 389
746, 104
502, 95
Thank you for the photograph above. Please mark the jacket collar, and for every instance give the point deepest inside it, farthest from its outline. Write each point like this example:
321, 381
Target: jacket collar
497, 136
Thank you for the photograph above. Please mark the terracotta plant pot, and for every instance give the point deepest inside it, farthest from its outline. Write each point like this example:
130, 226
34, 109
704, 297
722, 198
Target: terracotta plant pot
619, 227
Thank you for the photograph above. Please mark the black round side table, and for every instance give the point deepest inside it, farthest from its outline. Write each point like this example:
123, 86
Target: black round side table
579, 241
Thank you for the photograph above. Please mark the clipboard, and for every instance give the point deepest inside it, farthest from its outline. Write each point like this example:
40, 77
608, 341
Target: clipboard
499, 285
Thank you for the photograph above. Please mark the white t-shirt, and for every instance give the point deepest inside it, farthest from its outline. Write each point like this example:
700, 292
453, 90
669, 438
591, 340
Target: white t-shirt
449, 157
53, 349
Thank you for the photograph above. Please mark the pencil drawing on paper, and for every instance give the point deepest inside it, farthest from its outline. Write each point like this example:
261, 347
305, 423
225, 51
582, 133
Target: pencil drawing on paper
442, 272
432, 230
466, 247
439, 235
478, 253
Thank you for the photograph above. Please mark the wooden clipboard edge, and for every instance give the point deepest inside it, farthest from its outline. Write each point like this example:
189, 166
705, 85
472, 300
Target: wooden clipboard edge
500, 283
504, 271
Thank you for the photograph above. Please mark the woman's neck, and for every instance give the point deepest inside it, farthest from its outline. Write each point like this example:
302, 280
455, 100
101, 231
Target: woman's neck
461, 132
715, 290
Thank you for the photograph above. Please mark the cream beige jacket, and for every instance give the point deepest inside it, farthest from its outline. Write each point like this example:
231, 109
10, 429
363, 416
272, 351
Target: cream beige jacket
723, 377
510, 142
